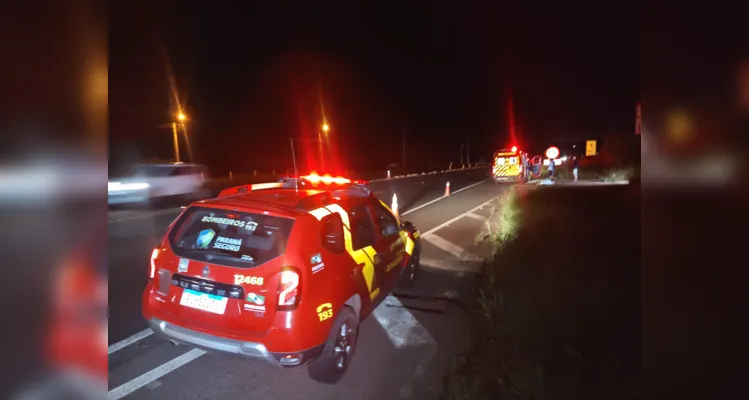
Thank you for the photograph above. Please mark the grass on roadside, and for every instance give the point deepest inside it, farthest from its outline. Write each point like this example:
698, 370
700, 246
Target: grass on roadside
557, 310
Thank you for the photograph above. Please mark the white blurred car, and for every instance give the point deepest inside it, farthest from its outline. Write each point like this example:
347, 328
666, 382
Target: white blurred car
148, 182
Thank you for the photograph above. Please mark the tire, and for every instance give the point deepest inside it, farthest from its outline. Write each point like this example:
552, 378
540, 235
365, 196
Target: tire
411, 272
332, 364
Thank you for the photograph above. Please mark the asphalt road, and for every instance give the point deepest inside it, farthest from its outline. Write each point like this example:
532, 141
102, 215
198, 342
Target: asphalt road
403, 349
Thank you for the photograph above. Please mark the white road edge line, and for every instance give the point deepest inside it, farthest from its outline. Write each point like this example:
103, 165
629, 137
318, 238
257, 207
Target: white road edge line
154, 374
130, 340
440, 198
444, 224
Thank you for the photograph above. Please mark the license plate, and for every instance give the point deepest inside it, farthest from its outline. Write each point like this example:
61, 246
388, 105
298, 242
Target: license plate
203, 301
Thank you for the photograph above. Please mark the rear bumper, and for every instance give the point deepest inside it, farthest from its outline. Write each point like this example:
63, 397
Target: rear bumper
217, 344
508, 178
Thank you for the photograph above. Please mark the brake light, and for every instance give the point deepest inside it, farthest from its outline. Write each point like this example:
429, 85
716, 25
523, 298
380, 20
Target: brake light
288, 290
154, 256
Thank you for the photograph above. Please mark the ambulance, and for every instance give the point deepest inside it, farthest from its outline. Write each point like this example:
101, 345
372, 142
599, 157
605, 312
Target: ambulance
507, 165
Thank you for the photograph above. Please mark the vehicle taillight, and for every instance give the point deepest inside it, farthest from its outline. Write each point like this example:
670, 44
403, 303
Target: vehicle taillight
154, 255
288, 290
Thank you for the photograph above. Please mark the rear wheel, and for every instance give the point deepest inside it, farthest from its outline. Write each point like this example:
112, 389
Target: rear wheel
339, 349
412, 270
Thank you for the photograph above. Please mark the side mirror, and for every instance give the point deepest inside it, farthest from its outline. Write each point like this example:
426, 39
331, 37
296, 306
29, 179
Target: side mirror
408, 226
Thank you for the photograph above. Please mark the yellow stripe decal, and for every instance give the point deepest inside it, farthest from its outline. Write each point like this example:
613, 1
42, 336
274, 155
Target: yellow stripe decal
363, 257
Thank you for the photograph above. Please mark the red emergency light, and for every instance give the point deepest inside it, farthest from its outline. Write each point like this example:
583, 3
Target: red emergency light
514, 149
326, 179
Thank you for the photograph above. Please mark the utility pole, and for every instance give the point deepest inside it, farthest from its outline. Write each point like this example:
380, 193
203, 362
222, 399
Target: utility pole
468, 153
461, 154
176, 142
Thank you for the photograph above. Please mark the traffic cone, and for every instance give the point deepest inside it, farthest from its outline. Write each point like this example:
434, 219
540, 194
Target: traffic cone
447, 189
394, 206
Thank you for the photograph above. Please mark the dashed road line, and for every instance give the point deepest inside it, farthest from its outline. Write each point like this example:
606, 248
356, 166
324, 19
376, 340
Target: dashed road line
130, 340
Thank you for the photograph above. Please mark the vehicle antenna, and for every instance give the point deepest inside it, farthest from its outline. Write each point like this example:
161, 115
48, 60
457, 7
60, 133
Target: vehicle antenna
293, 158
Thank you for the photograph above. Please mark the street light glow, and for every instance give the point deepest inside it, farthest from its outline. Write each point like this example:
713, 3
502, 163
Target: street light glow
325, 127
181, 117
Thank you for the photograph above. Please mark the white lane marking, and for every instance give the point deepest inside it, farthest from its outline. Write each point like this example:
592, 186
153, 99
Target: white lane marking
444, 224
147, 215
130, 340
440, 198
154, 374
451, 248
475, 216
402, 328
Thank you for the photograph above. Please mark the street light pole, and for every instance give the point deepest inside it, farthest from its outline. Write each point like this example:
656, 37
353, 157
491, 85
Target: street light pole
325, 129
181, 117
176, 142
468, 153
319, 149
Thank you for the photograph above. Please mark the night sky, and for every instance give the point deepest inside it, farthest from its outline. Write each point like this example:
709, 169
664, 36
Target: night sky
250, 75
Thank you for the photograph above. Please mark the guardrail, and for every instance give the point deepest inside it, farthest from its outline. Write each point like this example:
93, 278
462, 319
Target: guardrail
469, 168
217, 184
265, 177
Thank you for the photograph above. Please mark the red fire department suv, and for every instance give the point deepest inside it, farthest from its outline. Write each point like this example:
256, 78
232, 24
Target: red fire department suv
282, 272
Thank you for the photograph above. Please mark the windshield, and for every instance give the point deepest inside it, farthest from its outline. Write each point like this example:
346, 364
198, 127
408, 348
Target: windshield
237, 239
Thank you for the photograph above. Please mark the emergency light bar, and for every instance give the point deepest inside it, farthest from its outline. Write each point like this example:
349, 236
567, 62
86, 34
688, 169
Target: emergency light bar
326, 179
313, 179
249, 188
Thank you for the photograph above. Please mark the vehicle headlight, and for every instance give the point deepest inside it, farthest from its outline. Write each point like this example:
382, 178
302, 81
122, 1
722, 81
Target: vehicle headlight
119, 186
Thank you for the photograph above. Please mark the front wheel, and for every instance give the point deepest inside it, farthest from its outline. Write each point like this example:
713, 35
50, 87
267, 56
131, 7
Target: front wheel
339, 349
412, 270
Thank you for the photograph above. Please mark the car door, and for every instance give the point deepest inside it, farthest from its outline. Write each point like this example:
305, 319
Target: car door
390, 244
364, 238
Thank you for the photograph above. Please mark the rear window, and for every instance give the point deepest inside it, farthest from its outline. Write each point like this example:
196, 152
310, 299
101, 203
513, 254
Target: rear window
237, 239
